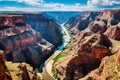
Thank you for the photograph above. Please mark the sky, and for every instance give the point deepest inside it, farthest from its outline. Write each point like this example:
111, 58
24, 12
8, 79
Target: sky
58, 5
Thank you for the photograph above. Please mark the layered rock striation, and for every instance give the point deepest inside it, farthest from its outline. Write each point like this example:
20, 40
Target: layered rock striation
89, 46
80, 22
48, 27
21, 43
89, 52
108, 69
15, 71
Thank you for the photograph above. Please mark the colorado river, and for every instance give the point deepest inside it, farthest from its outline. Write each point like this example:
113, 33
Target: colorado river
60, 48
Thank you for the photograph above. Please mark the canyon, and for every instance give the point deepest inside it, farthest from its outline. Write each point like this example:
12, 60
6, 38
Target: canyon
22, 43
28, 39
89, 45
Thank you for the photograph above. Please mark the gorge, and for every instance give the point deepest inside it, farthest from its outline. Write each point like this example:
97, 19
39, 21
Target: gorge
83, 48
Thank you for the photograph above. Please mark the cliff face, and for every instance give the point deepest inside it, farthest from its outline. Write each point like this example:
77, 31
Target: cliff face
89, 46
112, 21
108, 69
87, 56
113, 32
15, 71
48, 28
80, 22
21, 43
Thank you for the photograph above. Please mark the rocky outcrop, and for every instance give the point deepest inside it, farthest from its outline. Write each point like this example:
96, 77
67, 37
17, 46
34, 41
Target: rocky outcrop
15, 71
97, 26
48, 28
11, 20
89, 53
4, 73
77, 21
113, 32
21, 43
89, 46
108, 69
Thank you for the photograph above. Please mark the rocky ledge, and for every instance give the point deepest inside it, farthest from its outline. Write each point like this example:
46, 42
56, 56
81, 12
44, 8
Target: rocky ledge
89, 53
15, 71
21, 43
100, 38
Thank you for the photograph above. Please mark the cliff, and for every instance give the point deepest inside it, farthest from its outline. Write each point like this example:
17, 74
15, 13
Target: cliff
48, 27
85, 57
108, 69
21, 43
88, 48
80, 22
15, 71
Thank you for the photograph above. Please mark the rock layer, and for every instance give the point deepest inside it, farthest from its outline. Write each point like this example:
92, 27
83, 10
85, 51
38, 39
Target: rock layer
15, 71
21, 43
82, 21
48, 28
113, 32
90, 52
108, 69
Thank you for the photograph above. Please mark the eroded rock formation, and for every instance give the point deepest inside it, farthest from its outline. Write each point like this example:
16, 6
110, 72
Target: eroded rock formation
15, 71
88, 56
82, 21
89, 46
48, 28
113, 32
21, 43
108, 69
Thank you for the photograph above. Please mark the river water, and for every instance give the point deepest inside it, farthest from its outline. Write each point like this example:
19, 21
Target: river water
60, 48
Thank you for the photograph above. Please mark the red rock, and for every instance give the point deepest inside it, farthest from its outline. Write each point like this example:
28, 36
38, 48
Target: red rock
108, 69
4, 73
18, 19
6, 21
97, 26
106, 13
90, 51
48, 28
113, 32
16, 39
82, 21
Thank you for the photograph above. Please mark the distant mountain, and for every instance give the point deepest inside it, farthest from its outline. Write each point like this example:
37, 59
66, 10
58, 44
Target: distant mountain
60, 17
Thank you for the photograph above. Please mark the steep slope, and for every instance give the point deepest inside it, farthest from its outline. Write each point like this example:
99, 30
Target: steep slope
108, 69
48, 27
15, 71
21, 43
83, 58
89, 46
113, 32
76, 23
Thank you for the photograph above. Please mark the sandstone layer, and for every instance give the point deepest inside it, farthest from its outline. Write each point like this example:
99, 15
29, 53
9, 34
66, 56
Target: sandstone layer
21, 43
15, 71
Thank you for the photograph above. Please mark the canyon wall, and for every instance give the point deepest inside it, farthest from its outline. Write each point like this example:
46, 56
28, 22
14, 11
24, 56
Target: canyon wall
15, 71
48, 27
98, 38
21, 43
80, 22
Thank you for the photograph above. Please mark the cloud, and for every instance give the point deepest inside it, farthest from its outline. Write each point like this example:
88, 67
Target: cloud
104, 2
41, 5
18, 9
49, 7
31, 2
63, 7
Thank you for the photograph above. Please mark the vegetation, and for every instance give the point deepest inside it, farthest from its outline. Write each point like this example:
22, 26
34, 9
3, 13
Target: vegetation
39, 78
55, 74
53, 66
